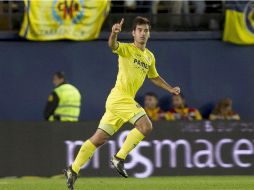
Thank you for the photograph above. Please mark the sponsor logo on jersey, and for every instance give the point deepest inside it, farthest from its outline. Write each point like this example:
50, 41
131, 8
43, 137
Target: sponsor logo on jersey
140, 63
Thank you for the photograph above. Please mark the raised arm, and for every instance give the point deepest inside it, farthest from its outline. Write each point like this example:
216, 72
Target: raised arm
116, 29
160, 82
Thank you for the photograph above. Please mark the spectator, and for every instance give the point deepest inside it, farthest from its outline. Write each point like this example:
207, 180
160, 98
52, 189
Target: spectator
198, 10
224, 111
144, 6
213, 8
64, 102
152, 109
4, 25
117, 6
180, 111
178, 10
138, 6
7, 20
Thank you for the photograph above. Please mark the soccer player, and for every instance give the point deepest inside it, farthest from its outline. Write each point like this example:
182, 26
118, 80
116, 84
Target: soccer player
135, 63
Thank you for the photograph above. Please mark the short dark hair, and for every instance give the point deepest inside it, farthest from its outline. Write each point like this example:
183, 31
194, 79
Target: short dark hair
60, 74
152, 94
140, 20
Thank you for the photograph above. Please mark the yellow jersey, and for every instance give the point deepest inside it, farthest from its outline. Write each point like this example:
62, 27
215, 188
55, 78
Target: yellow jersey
134, 65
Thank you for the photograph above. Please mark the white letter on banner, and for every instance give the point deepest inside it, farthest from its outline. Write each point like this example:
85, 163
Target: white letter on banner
172, 152
71, 146
208, 153
218, 153
237, 152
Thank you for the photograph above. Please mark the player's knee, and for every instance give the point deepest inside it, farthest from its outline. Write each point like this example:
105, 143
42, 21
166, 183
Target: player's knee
149, 127
99, 139
145, 128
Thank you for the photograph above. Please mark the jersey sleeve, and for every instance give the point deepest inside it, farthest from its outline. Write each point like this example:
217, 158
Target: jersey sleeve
122, 49
152, 73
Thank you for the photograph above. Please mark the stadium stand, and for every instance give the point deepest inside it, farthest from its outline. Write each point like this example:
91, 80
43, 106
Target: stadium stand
205, 16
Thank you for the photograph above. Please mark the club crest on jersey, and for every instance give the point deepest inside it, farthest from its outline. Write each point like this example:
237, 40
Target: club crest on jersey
140, 63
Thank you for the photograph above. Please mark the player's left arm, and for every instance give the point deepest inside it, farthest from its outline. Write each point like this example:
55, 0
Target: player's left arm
160, 82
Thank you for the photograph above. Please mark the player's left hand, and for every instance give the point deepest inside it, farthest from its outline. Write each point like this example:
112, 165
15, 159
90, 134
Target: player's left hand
176, 90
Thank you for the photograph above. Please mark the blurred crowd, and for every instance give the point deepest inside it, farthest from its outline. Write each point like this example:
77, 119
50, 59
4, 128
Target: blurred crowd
9, 14
183, 14
180, 110
174, 7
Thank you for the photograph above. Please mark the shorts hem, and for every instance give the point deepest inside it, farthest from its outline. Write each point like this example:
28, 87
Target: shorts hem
136, 117
109, 129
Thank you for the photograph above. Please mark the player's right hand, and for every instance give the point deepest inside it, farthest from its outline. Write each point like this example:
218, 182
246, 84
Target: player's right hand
175, 90
116, 28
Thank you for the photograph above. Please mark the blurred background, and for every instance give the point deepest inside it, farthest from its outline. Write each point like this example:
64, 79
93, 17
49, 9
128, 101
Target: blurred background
186, 39
205, 47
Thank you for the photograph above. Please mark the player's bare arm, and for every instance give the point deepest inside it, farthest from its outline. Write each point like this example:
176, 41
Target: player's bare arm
116, 29
160, 82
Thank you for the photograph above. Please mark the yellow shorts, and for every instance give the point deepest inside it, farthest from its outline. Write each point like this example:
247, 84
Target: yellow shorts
119, 111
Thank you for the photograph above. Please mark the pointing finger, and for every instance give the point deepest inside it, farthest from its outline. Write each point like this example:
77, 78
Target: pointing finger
121, 23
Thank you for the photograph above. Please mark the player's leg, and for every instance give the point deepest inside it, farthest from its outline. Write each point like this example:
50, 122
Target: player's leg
143, 127
88, 148
106, 129
109, 124
85, 153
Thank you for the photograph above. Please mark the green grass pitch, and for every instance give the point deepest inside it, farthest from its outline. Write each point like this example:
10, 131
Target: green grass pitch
154, 183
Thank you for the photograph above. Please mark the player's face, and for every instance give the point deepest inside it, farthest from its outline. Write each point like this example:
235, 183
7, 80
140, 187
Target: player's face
177, 102
150, 102
141, 34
